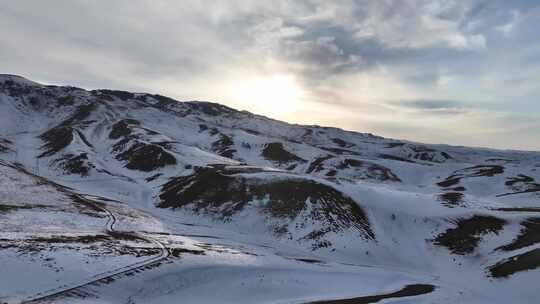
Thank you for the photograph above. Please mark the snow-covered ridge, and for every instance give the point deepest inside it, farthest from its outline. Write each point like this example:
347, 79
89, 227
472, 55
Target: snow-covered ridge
7, 78
223, 189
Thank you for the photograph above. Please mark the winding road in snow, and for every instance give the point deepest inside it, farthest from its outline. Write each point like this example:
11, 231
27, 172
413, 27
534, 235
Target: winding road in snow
67, 288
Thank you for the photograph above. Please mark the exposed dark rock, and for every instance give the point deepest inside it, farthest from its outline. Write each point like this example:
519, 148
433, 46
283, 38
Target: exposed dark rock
165, 101
74, 164
449, 182
529, 235
153, 177
165, 144
503, 160
451, 199
519, 209
307, 133
6, 208
521, 184
427, 154
331, 173
206, 188
465, 237
291, 167
82, 112
84, 139
146, 157
224, 146
122, 95
317, 165
66, 100
476, 171
397, 158
394, 145
276, 152
15, 89
407, 291
340, 151
348, 163
252, 132
203, 127
94, 244
342, 143
372, 171
522, 262
4, 145
122, 128
213, 191
210, 108
56, 139
418, 152
521, 178
61, 136
83, 239
178, 252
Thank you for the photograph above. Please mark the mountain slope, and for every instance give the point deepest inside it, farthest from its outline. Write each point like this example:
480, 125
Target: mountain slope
291, 194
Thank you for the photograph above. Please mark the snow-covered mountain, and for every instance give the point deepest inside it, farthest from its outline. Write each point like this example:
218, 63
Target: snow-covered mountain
117, 197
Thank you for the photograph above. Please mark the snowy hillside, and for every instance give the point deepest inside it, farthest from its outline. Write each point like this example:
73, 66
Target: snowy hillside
117, 197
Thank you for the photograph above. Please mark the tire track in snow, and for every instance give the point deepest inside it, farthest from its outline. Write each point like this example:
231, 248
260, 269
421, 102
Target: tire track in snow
104, 276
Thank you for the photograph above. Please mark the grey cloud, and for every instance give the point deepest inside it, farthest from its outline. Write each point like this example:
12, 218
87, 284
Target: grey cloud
354, 36
319, 37
132, 45
431, 104
435, 107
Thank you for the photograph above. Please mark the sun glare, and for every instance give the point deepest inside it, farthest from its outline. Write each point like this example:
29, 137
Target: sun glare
275, 96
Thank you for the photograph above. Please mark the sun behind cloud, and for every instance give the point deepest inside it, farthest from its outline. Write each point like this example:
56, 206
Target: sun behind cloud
276, 96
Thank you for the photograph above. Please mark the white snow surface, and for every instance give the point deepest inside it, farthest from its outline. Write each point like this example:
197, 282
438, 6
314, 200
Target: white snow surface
204, 255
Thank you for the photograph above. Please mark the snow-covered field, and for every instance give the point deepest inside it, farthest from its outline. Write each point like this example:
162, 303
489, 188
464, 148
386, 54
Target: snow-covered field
118, 197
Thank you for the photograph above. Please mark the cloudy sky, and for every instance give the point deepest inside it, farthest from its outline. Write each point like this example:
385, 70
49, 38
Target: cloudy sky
462, 72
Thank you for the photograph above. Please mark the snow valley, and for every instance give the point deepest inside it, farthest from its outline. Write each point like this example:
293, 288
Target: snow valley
118, 197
